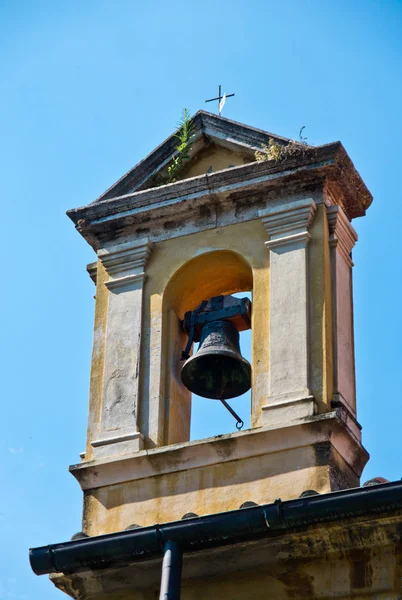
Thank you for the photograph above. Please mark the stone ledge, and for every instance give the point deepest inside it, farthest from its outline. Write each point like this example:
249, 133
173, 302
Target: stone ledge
329, 427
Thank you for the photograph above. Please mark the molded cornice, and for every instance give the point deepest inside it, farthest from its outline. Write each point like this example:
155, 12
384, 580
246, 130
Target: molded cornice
108, 218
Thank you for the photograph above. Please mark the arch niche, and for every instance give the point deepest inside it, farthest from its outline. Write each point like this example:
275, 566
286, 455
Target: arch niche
207, 275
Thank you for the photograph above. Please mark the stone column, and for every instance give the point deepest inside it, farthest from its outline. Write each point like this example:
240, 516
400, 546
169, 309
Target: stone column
342, 239
119, 432
289, 394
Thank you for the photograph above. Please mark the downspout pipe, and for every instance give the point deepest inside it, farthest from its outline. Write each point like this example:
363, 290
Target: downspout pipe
219, 529
171, 572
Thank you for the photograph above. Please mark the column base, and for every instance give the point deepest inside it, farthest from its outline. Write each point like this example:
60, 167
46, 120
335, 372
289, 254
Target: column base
281, 412
117, 445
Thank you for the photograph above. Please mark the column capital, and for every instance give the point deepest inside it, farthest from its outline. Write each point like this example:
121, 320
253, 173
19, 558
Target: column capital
92, 270
288, 224
125, 263
341, 233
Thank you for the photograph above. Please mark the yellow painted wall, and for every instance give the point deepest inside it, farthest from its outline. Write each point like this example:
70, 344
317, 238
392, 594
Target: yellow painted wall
98, 357
215, 158
206, 490
225, 260
321, 353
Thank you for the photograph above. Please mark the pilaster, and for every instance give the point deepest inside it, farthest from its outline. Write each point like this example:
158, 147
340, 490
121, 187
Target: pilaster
289, 393
119, 430
342, 239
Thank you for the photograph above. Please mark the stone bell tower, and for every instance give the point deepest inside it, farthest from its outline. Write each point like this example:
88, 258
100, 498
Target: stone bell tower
280, 229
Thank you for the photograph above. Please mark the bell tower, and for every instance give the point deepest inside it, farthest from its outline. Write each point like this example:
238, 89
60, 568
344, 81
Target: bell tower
252, 232
169, 259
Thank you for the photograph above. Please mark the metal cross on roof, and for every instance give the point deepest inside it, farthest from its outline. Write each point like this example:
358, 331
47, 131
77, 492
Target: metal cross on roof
221, 99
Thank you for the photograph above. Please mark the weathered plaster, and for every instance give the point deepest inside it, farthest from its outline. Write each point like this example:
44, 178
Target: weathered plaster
215, 158
220, 473
321, 336
98, 355
289, 275
118, 430
289, 394
342, 239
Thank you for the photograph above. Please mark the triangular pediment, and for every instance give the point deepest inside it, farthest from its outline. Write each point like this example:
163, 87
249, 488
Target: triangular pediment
217, 144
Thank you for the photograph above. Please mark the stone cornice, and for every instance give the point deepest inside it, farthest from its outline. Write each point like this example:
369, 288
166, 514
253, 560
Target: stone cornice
102, 220
342, 234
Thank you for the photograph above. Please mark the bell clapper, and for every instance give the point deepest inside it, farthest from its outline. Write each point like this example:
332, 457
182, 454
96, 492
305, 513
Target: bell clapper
240, 423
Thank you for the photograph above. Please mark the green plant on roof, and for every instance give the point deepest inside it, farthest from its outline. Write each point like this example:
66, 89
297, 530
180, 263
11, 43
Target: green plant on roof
276, 151
270, 151
184, 135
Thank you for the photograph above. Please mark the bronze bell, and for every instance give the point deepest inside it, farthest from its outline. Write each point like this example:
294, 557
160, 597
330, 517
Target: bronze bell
218, 369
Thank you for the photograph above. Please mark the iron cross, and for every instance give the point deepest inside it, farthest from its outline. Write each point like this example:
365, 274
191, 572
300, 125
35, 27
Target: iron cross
219, 99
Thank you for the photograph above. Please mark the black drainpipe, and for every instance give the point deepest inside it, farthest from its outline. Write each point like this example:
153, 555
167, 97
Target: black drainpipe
171, 572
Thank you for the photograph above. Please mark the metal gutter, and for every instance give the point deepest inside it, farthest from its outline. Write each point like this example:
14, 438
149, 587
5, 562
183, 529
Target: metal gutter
215, 530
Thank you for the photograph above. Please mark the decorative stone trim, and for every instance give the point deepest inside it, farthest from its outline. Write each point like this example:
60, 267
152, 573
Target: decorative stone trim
183, 197
294, 221
342, 234
121, 282
123, 258
124, 443
92, 270
117, 438
288, 239
288, 411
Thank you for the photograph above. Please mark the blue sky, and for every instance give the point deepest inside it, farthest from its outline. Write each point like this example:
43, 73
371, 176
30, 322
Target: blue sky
87, 90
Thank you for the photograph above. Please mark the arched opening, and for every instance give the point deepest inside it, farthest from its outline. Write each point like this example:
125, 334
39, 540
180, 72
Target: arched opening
210, 274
